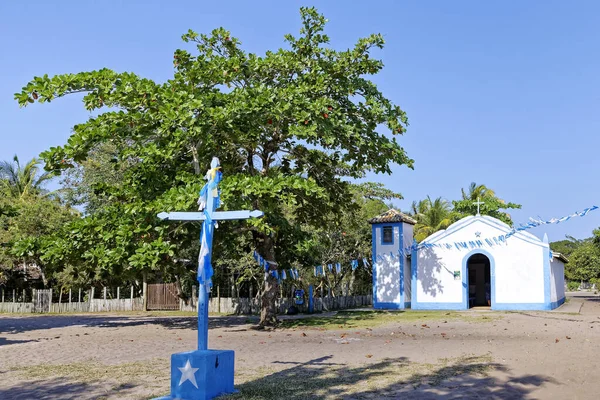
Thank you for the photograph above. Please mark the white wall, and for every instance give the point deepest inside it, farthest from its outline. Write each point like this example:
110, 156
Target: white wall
557, 280
387, 268
519, 264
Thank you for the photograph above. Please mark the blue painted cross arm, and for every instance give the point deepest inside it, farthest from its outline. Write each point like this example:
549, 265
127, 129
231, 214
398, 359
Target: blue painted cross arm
217, 215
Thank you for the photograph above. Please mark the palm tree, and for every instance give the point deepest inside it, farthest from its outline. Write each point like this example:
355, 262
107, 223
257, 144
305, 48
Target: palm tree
431, 216
20, 181
419, 207
477, 192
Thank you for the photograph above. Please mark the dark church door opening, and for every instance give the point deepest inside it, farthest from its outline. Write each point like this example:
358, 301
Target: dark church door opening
478, 273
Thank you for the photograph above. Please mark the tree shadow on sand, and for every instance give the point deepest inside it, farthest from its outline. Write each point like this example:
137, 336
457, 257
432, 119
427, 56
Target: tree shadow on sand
6, 342
13, 325
58, 388
469, 377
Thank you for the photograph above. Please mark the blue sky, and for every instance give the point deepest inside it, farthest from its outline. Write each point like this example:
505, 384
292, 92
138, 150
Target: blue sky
501, 93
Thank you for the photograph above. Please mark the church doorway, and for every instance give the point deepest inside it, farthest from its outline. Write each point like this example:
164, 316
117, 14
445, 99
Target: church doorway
479, 277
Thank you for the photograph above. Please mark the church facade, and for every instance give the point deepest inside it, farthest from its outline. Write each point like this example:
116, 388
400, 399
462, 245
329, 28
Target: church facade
463, 266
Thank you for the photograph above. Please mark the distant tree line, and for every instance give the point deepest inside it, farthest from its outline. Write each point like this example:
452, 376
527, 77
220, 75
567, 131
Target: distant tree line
584, 258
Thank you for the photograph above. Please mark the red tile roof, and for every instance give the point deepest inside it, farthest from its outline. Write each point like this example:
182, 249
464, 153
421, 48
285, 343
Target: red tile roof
392, 215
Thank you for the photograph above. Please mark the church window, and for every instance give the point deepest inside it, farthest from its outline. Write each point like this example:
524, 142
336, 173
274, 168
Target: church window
388, 235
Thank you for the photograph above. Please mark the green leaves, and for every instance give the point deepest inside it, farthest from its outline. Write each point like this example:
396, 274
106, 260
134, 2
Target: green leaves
290, 127
584, 263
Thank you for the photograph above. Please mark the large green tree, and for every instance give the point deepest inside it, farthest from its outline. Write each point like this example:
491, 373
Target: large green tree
290, 128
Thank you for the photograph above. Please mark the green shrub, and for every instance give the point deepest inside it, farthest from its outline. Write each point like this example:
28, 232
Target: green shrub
572, 286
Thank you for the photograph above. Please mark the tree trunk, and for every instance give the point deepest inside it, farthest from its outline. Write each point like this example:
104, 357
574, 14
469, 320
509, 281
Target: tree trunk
145, 290
268, 312
196, 161
179, 290
44, 279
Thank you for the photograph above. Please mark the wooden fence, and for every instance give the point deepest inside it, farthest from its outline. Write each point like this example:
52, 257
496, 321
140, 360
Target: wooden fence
41, 302
228, 305
17, 308
162, 296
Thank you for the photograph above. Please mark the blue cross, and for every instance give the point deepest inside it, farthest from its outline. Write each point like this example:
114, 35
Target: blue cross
208, 203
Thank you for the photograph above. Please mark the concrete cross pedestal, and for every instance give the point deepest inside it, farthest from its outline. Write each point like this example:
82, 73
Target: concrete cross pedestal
204, 374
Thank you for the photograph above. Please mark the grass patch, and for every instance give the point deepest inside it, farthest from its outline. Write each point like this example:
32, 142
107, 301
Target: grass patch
371, 319
93, 371
387, 378
317, 379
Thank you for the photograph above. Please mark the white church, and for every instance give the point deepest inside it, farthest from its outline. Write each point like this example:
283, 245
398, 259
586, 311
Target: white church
463, 266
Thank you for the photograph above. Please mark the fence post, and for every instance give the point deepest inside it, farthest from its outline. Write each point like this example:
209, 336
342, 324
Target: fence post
91, 298
131, 297
104, 293
118, 292
79, 298
70, 292
14, 298
251, 297
145, 291
50, 302
311, 304
24, 299
60, 299
2, 290
194, 299
218, 299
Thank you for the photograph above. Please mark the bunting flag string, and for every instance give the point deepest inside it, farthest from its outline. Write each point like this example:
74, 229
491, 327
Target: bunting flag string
319, 270
502, 239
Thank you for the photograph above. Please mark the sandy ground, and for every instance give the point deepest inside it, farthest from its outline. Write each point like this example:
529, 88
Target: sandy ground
543, 355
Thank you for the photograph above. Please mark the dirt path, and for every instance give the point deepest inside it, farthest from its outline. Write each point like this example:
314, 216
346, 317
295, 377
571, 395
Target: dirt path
472, 355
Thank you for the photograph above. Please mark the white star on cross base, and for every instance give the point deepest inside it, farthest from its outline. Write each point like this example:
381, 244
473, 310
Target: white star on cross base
187, 374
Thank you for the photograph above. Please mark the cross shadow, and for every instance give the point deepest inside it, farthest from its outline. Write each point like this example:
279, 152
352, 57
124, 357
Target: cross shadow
390, 378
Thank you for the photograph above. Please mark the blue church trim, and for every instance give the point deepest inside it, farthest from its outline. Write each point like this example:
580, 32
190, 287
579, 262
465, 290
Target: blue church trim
547, 274
465, 280
457, 226
413, 278
396, 245
557, 303
401, 262
390, 225
437, 306
374, 263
